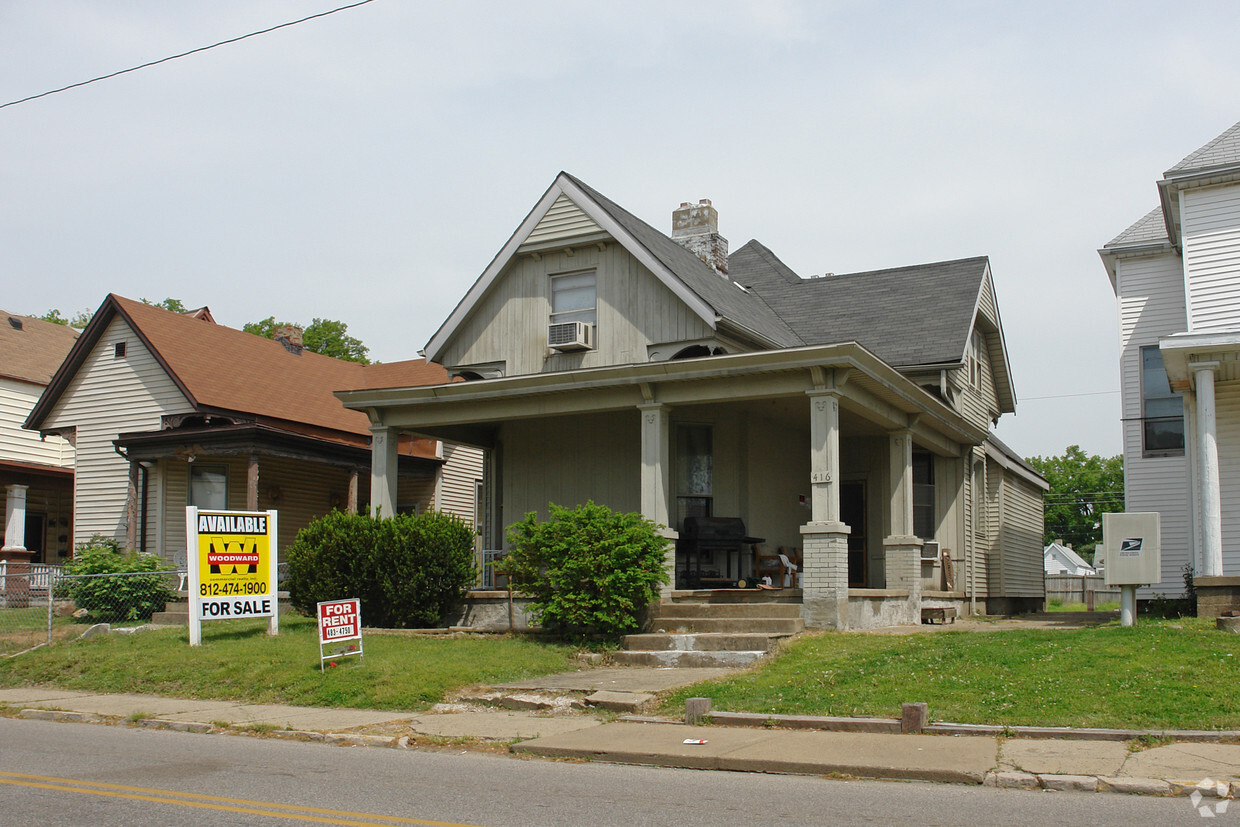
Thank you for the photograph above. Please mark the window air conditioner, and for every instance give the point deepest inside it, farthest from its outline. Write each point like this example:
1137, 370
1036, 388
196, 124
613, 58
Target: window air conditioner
930, 550
569, 336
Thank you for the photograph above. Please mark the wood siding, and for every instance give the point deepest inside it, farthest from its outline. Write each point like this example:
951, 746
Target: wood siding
1151, 304
563, 221
109, 395
509, 324
20, 445
1211, 232
462, 469
1227, 410
1020, 538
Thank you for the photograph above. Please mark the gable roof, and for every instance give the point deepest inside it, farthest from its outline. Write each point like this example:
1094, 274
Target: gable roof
713, 298
1067, 555
884, 310
1222, 151
221, 369
31, 349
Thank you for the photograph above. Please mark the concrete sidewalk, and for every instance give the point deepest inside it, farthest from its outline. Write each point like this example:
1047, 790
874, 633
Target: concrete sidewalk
1062, 764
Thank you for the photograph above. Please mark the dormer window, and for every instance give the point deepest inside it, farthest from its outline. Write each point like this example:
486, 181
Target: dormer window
573, 298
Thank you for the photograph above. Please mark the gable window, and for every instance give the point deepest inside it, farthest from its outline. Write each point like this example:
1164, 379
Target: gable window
923, 495
572, 298
208, 486
1162, 410
975, 360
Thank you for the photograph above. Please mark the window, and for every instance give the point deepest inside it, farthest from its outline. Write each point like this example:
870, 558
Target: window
975, 360
208, 486
572, 298
118, 350
694, 472
1162, 410
923, 495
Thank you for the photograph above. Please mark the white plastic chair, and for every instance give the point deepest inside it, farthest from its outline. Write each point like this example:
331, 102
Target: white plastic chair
180, 559
792, 577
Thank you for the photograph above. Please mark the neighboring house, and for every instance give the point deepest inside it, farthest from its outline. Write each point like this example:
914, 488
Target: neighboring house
1061, 559
169, 410
844, 419
36, 474
1176, 276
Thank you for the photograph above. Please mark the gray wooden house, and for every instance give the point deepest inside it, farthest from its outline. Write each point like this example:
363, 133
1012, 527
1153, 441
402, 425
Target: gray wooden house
843, 419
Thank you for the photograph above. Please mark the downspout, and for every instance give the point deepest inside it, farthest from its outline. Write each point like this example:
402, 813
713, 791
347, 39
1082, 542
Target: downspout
146, 477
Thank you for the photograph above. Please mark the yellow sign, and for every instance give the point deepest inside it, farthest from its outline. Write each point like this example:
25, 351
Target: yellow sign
235, 565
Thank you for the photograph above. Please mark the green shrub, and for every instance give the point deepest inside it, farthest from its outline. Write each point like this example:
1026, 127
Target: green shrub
408, 571
589, 571
121, 598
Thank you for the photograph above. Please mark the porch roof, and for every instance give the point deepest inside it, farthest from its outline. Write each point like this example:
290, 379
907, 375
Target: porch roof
868, 387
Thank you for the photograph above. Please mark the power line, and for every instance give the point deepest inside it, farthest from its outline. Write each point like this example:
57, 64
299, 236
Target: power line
1066, 395
186, 54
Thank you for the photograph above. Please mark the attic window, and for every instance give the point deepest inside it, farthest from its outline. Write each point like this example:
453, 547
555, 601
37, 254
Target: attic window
118, 350
975, 360
572, 298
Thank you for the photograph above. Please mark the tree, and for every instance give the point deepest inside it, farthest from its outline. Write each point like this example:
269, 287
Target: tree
79, 319
324, 336
174, 305
1083, 488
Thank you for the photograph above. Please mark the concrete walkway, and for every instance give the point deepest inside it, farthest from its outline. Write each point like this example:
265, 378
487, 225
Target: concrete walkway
1211, 769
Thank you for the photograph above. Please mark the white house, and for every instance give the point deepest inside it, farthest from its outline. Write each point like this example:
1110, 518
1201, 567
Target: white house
1176, 275
1061, 559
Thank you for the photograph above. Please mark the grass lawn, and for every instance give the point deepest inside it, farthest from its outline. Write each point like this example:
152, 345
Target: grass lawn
237, 661
1180, 674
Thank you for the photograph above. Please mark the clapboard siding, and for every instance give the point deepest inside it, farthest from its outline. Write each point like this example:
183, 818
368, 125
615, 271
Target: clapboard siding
1020, 538
1211, 232
564, 220
1151, 304
1227, 409
980, 405
509, 324
18, 444
461, 470
106, 396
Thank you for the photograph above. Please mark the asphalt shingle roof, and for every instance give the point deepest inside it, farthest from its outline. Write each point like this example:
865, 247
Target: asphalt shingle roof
907, 316
31, 349
1222, 151
1148, 228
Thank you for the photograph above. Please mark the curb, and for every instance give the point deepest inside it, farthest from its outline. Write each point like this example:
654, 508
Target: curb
1105, 784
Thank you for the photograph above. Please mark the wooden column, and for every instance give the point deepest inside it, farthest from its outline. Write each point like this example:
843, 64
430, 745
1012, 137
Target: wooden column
824, 437
384, 461
1207, 471
351, 497
131, 506
251, 484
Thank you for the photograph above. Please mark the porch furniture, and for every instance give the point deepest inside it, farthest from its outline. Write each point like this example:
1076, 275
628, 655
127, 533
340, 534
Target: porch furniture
768, 565
942, 614
791, 572
719, 540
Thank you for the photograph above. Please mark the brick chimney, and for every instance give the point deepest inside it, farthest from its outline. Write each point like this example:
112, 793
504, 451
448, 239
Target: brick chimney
289, 335
696, 228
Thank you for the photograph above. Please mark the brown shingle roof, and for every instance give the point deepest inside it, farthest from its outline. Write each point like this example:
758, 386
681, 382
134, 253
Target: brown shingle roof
227, 370
31, 349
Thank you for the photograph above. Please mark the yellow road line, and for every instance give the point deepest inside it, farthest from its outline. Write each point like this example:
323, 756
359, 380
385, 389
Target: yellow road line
234, 805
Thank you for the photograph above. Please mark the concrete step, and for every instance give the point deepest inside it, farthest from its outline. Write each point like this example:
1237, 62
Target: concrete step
687, 609
709, 642
682, 659
175, 613
718, 596
731, 625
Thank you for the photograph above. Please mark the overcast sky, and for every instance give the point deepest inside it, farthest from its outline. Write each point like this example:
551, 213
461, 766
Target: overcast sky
367, 166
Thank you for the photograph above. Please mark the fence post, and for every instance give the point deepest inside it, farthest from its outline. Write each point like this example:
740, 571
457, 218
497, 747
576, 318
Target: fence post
50, 588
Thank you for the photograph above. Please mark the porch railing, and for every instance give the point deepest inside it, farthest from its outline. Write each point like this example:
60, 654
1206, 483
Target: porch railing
36, 576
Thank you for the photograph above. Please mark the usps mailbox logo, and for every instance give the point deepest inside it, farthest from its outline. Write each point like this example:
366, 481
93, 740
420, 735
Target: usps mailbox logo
340, 620
1131, 546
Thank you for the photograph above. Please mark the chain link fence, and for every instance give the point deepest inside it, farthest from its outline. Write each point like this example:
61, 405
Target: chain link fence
42, 605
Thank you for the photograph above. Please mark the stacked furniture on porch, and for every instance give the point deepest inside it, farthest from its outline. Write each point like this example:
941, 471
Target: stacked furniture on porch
846, 415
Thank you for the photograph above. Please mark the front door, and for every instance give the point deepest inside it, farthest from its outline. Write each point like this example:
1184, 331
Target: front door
852, 513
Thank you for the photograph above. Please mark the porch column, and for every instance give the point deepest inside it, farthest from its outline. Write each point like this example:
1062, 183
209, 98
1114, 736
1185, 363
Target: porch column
351, 497
251, 484
384, 462
15, 517
656, 481
901, 548
131, 506
824, 558
1207, 471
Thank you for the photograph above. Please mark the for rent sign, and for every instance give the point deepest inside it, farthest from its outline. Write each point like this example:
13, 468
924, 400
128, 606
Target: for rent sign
340, 621
232, 567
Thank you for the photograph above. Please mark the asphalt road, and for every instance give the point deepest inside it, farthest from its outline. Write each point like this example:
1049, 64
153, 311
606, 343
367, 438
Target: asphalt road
54, 773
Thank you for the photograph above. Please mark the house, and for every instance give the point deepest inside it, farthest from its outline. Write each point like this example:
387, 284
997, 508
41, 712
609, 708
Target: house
36, 474
1176, 277
168, 410
843, 419
1059, 558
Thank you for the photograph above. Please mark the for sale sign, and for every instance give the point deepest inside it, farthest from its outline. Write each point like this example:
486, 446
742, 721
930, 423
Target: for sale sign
232, 566
340, 621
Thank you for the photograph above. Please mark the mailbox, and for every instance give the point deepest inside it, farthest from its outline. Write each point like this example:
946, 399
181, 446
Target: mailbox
1133, 548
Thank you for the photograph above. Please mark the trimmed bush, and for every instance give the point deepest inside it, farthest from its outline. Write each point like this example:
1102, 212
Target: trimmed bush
408, 571
115, 599
590, 571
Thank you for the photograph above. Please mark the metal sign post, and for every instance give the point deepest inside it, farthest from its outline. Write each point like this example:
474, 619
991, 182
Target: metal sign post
232, 567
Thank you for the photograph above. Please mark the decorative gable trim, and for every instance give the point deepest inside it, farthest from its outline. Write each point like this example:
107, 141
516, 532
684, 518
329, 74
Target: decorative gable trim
562, 187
